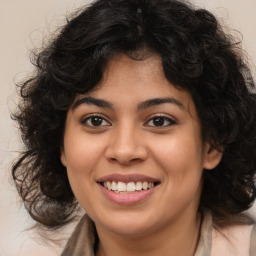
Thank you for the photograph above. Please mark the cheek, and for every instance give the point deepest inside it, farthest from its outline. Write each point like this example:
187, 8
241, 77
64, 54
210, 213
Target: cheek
82, 152
181, 160
178, 155
82, 155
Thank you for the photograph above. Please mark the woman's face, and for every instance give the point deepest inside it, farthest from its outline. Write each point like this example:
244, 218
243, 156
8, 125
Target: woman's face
133, 150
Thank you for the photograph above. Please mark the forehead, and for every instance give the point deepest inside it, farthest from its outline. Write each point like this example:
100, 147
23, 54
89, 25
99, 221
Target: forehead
124, 70
129, 81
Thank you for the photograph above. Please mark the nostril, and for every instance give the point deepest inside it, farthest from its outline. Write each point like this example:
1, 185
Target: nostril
125, 160
126, 152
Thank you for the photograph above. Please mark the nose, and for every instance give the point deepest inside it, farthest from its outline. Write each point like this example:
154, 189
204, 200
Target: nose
126, 146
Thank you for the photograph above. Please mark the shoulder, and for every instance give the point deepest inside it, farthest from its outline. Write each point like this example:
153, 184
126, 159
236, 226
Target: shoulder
236, 240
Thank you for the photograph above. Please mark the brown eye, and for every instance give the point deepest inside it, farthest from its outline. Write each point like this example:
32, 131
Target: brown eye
160, 121
95, 121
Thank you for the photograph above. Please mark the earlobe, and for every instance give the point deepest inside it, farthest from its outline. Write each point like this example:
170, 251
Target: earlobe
212, 157
62, 157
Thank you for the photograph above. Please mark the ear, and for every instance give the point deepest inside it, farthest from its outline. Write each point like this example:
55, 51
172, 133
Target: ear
63, 157
212, 157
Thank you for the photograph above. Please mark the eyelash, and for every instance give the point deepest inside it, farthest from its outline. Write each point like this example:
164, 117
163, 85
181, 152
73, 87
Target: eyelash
89, 119
163, 119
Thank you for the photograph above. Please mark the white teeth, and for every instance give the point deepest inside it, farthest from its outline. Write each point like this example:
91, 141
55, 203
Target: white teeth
139, 185
114, 185
122, 187
145, 185
109, 185
130, 186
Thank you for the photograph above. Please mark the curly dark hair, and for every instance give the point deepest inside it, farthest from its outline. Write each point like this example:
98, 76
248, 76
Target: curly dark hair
197, 56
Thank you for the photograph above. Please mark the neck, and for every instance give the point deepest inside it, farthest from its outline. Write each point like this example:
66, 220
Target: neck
178, 238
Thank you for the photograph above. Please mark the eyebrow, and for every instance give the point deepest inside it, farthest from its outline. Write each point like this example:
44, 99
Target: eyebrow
93, 101
158, 101
141, 106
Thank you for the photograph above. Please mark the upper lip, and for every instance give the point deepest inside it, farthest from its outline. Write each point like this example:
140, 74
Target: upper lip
127, 178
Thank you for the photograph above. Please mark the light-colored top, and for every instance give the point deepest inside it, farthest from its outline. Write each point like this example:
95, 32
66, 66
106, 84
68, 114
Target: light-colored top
238, 240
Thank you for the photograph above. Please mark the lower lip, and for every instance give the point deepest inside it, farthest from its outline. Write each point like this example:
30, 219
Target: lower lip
129, 198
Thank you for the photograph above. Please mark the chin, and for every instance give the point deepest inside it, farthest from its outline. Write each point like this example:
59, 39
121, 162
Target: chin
130, 231
127, 225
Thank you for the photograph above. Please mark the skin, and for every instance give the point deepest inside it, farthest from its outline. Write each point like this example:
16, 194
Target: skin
127, 141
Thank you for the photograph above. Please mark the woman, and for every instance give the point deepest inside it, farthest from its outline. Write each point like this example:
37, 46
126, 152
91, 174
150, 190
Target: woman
142, 113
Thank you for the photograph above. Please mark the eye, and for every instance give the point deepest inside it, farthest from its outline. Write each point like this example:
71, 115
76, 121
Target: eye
160, 121
95, 121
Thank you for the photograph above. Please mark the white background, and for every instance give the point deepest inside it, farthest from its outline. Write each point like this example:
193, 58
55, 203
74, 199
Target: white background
23, 25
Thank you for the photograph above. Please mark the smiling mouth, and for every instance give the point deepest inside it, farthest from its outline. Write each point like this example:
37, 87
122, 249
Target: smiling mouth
129, 187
